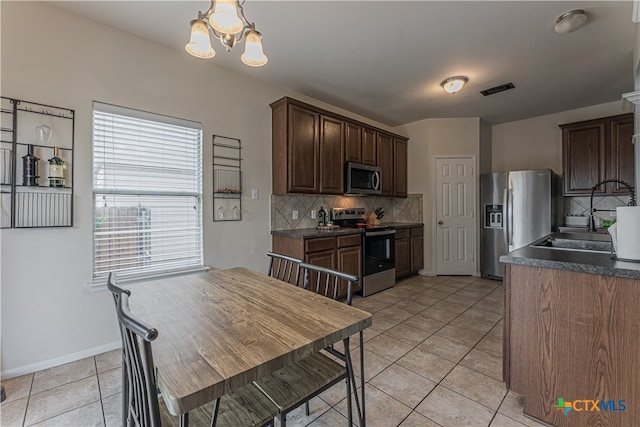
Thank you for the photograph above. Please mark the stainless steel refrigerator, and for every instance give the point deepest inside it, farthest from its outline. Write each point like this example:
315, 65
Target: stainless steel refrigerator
518, 207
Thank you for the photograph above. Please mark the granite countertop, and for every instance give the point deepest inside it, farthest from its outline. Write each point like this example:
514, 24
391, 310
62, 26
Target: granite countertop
570, 260
306, 233
404, 224
309, 233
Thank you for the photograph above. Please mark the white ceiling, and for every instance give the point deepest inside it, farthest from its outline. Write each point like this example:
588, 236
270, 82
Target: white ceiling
386, 59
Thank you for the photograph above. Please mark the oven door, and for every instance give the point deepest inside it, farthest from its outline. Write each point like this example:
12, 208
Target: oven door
379, 251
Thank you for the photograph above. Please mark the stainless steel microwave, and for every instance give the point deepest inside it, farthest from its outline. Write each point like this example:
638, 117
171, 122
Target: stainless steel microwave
362, 179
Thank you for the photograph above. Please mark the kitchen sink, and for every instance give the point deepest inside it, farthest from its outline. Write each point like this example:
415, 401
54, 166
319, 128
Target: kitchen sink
581, 242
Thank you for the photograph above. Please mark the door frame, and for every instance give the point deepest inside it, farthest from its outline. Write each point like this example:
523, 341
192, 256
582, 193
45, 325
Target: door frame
434, 208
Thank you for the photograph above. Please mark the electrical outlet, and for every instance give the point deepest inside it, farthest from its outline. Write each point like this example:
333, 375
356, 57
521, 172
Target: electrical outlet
295, 214
612, 214
313, 214
254, 194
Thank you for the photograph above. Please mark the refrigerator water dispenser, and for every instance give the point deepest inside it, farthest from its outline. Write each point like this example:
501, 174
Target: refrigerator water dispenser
493, 216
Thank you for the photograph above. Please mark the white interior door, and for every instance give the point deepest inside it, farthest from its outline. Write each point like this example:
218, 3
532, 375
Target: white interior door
455, 216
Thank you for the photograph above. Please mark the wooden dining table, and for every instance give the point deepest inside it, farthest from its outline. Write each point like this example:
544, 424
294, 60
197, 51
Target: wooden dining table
220, 330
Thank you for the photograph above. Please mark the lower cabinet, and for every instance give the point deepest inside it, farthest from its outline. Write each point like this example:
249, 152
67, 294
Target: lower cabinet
417, 249
403, 252
409, 251
342, 253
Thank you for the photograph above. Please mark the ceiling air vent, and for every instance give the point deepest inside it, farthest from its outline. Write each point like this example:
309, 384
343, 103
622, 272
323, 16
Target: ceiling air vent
497, 89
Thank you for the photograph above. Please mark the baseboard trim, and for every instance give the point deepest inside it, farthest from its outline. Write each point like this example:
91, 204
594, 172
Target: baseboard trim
423, 272
28, 369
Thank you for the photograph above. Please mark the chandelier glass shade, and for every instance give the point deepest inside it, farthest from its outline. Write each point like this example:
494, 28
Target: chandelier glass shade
225, 20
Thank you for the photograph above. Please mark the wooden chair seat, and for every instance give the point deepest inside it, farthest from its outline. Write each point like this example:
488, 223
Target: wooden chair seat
294, 385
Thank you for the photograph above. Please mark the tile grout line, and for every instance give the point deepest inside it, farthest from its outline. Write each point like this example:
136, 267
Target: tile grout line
457, 363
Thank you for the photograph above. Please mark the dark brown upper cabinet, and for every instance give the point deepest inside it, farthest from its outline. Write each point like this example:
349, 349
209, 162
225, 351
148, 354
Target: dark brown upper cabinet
595, 150
311, 145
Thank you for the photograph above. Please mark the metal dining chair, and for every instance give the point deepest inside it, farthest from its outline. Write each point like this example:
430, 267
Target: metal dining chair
247, 406
284, 268
296, 384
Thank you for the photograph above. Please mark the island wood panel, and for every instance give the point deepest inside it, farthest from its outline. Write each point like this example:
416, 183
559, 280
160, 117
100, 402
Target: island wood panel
575, 336
220, 330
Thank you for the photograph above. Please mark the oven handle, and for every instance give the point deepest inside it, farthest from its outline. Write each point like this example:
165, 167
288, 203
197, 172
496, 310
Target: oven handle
379, 233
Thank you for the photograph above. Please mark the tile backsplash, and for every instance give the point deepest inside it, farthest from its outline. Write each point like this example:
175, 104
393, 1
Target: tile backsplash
580, 205
396, 209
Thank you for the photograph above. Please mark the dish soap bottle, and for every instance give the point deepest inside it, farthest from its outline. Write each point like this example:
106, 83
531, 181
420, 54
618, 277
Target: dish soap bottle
322, 217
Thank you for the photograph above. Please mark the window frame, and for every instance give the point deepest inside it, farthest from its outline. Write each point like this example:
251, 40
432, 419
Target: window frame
137, 116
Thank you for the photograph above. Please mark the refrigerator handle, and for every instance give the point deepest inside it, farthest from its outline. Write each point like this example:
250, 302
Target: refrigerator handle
506, 229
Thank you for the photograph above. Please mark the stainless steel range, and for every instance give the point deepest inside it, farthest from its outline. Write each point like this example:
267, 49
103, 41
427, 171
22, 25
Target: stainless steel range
378, 249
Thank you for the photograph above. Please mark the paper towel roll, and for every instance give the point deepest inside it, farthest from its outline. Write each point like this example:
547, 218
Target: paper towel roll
628, 232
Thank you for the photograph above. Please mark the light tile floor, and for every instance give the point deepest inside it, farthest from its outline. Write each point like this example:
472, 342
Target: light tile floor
433, 357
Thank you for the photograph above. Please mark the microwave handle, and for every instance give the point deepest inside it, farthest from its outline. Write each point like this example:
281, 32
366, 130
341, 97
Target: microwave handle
375, 180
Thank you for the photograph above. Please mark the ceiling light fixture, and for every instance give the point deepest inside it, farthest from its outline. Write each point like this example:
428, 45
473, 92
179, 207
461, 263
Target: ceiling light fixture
570, 21
226, 21
454, 84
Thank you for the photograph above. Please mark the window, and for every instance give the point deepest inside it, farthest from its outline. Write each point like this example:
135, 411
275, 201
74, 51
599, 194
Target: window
147, 192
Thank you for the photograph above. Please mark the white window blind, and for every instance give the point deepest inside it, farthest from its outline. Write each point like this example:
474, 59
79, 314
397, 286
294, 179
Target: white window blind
147, 189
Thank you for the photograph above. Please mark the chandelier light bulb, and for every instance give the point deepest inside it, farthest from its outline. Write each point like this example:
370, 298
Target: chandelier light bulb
253, 55
200, 44
225, 17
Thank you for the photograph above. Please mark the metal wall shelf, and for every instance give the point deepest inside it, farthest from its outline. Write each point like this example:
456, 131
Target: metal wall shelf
227, 178
30, 206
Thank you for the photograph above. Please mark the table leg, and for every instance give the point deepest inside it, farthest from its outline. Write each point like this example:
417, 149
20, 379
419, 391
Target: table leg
184, 420
352, 380
363, 419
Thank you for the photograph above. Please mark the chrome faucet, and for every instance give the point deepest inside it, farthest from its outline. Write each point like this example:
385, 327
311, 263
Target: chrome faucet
632, 201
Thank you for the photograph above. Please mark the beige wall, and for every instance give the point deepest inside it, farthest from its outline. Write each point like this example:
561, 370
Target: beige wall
54, 57
429, 138
536, 143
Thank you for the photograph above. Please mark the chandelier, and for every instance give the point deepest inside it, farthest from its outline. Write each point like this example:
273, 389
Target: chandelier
226, 21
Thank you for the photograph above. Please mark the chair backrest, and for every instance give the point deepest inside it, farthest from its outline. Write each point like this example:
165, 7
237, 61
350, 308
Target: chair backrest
143, 406
117, 291
284, 268
328, 282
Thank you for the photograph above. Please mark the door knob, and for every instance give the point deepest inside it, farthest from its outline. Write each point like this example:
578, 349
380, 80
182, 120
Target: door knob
440, 222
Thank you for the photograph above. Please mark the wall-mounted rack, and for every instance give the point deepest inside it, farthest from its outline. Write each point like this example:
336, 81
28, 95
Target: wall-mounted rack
227, 178
36, 193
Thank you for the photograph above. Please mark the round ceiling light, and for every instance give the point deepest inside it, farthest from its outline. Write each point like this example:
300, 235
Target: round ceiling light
454, 84
570, 21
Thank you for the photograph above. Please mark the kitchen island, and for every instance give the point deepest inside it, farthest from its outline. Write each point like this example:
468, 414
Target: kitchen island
572, 336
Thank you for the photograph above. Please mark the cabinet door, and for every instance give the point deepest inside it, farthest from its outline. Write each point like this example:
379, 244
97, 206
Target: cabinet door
385, 162
583, 155
403, 260
353, 143
303, 150
369, 147
326, 259
350, 262
622, 153
331, 156
400, 167
417, 253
